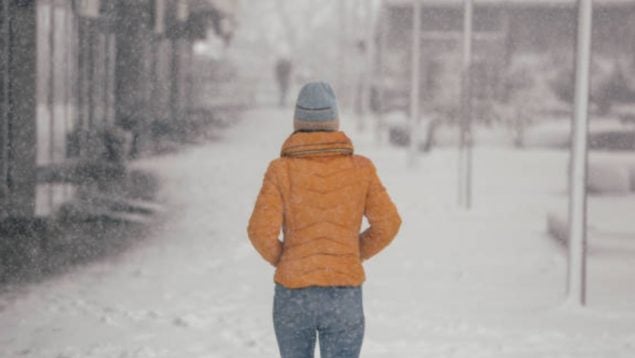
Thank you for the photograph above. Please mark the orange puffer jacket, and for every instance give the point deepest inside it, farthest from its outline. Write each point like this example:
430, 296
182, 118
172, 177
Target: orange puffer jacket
317, 192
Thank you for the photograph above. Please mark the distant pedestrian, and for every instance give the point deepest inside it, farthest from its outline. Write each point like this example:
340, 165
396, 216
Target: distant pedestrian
317, 193
283, 70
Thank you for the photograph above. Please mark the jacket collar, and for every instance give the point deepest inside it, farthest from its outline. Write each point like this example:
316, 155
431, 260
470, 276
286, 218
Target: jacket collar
311, 144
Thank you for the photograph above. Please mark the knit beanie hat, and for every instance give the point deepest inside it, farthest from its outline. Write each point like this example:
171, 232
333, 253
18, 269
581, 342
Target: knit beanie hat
316, 108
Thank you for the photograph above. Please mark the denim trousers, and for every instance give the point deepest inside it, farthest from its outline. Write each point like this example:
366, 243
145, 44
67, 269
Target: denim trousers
334, 314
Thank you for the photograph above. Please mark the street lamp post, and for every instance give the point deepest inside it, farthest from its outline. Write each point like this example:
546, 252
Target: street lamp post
465, 149
343, 42
369, 68
576, 278
415, 80
381, 67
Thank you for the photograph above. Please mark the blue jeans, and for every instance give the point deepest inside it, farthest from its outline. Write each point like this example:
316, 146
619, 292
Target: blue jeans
336, 314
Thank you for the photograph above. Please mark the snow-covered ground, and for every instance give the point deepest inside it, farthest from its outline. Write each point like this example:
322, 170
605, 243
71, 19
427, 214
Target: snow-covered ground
483, 283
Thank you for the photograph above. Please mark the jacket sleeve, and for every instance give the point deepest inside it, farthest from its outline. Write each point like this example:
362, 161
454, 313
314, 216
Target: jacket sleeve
382, 216
266, 219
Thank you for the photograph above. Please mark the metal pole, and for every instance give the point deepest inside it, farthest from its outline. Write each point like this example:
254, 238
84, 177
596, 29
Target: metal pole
415, 80
368, 73
353, 68
341, 56
465, 149
576, 285
4, 105
383, 33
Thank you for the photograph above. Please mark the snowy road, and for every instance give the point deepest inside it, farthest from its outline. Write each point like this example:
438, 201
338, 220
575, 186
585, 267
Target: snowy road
488, 283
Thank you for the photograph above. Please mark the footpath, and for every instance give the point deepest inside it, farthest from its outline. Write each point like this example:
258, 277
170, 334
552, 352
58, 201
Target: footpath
483, 283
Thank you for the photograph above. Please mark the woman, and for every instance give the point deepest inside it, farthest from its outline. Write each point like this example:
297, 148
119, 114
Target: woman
317, 192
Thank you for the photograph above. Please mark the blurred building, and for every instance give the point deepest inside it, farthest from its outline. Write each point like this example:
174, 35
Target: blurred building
83, 83
506, 33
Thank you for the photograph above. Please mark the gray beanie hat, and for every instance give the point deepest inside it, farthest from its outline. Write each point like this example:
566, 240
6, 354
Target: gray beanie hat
316, 108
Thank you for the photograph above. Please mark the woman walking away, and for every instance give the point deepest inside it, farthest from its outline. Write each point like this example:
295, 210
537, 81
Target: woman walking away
317, 192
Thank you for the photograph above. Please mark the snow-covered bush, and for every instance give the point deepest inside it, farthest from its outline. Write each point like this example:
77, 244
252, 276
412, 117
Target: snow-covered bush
527, 94
603, 72
558, 226
607, 177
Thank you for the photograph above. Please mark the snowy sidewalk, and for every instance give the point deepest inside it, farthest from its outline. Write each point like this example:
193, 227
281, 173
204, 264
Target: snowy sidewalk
487, 283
